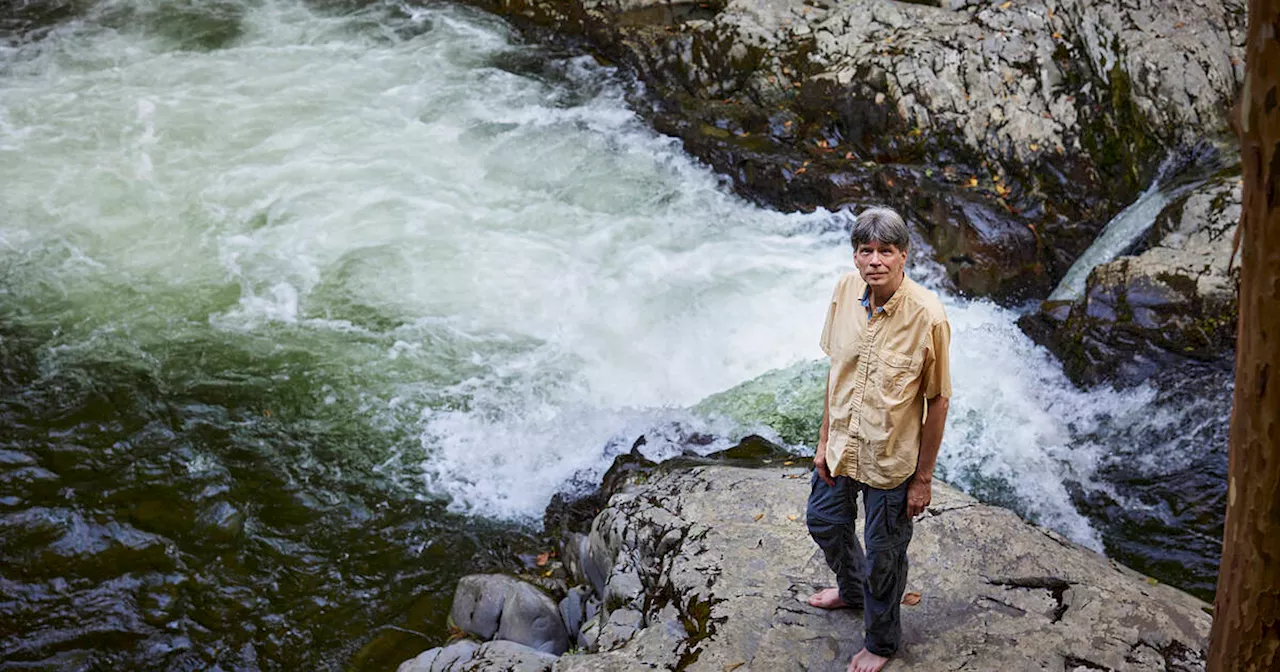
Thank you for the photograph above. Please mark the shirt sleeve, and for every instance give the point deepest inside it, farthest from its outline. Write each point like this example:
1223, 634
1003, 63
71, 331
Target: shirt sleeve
937, 362
825, 341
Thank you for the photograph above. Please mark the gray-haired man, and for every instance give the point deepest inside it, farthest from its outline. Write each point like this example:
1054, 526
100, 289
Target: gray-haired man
886, 405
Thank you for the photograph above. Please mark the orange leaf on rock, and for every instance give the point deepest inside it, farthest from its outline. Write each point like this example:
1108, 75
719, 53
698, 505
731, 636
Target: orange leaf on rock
911, 599
759, 516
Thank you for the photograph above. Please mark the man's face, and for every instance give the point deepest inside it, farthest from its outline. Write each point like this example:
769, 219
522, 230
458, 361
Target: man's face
879, 263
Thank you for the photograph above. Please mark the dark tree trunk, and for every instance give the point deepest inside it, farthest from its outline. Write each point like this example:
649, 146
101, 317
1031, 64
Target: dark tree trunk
1246, 624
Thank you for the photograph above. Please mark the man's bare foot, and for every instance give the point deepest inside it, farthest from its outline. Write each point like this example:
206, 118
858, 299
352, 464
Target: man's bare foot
865, 661
828, 598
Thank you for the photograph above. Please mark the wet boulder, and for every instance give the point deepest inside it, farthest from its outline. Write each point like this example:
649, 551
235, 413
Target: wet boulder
510, 657
1173, 302
498, 606
442, 659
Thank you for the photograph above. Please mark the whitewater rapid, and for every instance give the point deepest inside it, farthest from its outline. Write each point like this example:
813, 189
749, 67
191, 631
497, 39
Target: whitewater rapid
482, 251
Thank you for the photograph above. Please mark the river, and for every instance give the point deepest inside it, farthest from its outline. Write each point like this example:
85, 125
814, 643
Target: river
310, 307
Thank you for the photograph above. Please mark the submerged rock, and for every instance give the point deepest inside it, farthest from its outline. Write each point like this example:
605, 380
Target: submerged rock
995, 591
782, 400
1174, 302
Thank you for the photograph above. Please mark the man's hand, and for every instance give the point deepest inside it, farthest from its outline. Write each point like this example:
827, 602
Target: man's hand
820, 464
919, 494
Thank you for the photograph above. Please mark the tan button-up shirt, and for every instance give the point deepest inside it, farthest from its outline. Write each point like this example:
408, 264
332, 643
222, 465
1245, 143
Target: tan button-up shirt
883, 368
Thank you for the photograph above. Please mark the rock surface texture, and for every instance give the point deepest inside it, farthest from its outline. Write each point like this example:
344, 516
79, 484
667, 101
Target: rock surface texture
1009, 132
1173, 302
724, 563
494, 606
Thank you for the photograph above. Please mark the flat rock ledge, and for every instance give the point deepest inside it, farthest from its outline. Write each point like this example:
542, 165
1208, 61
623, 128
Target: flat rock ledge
708, 568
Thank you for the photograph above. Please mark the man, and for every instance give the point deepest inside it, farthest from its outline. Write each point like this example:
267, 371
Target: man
886, 405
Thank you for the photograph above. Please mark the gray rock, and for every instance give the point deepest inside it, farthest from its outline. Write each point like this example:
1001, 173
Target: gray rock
573, 552
509, 657
589, 634
619, 629
573, 608
734, 588
623, 588
497, 606
531, 618
478, 602
1066, 106
1173, 302
442, 659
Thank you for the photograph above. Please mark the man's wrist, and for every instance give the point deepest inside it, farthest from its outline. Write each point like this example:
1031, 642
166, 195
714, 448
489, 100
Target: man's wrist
924, 477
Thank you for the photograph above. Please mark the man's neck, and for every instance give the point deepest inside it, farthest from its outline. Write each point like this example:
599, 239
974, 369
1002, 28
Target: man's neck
881, 295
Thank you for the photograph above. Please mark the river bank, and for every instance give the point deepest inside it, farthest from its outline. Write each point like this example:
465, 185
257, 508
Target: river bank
707, 568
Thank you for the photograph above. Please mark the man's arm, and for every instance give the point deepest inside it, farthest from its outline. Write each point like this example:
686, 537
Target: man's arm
820, 457
920, 491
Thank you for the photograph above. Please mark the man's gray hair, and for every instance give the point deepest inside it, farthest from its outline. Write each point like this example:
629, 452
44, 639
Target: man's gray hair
881, 225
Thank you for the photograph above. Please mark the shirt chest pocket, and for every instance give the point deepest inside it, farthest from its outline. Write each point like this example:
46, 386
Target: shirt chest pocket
898, 374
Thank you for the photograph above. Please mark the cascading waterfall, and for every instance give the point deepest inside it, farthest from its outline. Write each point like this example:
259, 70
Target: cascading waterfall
298, 295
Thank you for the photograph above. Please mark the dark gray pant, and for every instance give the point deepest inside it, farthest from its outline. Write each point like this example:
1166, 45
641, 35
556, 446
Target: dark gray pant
874, 582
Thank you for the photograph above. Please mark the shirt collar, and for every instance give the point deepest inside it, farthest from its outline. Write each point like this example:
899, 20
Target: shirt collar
893, 301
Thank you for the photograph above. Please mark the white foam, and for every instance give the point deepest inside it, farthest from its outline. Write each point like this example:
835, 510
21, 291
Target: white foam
510, 280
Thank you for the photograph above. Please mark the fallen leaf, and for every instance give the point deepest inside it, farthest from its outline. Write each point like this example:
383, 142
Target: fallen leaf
1179, 25
788, 463
1152, 580
733, 666
793, 518
267, 413
1057, 35
801, 171
547, 574
911, 599
786, 124
888, 181
973, 182
759, 516
1007, 5
1035, 147
542, 560
848, 155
